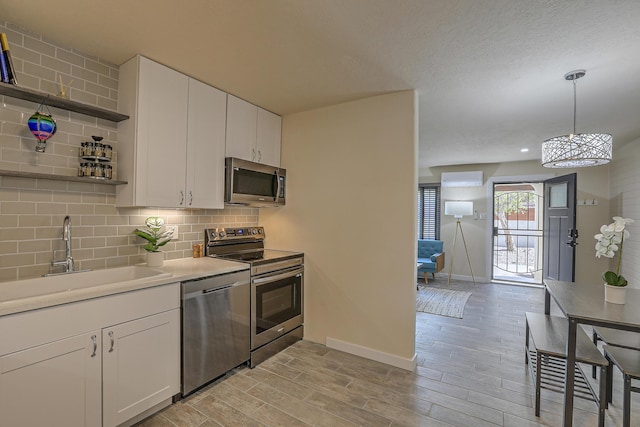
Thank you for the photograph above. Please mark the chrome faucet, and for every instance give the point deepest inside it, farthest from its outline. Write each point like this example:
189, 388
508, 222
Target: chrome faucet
67, 263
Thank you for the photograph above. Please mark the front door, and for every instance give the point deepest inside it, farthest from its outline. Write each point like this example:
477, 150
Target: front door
560, 234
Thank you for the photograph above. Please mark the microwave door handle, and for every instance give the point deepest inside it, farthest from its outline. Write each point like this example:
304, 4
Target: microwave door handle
277, 186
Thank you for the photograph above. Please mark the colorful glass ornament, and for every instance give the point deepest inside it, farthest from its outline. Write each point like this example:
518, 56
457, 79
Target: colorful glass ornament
42, 126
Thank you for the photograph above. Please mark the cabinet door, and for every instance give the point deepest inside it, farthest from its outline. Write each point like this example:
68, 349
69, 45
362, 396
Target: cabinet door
141, 365
242, 118
269, 135
207, 117
55, 384
161, 136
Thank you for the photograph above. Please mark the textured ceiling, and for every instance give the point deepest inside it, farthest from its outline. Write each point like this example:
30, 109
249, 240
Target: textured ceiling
489, 73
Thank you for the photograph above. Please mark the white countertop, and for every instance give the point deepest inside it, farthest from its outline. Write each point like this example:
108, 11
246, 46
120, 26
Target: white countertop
179, 270
193, 268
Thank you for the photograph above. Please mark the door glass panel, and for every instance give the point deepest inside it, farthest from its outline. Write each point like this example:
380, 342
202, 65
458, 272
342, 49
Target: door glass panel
558, 195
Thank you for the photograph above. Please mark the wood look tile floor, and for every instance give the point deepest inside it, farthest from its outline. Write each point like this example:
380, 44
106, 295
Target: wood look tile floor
470, 373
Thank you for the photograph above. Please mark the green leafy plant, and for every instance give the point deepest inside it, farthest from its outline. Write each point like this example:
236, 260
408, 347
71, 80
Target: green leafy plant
153, 235
609, 240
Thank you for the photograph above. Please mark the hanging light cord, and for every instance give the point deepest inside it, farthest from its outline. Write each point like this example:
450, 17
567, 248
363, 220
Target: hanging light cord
575, 103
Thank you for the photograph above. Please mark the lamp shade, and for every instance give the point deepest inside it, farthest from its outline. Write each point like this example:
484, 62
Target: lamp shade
579, 150
458, 208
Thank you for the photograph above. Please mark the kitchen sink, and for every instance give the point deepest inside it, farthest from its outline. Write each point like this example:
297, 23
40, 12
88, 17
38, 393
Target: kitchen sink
54, 284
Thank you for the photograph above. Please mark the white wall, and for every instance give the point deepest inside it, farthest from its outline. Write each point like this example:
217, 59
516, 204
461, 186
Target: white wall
592, 185
351, 207
625, 202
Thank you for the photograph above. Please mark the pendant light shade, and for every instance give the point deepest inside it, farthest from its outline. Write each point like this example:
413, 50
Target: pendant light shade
577, 149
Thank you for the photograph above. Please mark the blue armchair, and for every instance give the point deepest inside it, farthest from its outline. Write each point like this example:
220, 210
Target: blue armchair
431, 256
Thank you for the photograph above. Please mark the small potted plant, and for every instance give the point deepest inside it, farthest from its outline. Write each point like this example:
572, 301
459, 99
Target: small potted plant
611, 239
155, 238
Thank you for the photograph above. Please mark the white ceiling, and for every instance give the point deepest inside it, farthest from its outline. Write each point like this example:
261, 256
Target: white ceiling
489, 73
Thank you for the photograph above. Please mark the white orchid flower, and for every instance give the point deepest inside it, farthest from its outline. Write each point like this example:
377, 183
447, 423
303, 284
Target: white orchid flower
608, 242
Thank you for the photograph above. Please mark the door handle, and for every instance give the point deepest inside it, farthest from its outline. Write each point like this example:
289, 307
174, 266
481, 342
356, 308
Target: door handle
112, 341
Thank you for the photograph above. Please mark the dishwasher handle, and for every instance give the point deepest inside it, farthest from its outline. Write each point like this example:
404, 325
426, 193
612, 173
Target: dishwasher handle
198, 287
220, 288
209, 291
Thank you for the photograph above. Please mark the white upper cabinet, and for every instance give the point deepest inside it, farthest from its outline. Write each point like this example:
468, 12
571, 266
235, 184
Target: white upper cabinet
268, 137
252, 133
242, 120
205, 146
171, 150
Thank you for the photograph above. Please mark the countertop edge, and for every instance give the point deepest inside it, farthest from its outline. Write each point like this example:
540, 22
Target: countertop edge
181, 270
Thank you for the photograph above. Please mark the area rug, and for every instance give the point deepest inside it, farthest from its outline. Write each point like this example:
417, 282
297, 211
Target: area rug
443, 302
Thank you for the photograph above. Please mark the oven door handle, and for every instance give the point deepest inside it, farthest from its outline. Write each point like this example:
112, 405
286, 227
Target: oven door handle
295, 273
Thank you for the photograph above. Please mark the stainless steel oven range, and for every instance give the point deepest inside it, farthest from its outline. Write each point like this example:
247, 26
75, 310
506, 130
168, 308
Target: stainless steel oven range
277, 287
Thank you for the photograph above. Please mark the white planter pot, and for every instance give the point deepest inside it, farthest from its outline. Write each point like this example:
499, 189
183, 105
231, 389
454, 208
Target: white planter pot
155, 259
615, 294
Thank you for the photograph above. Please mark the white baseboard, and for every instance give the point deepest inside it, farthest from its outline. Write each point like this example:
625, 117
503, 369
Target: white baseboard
369, 353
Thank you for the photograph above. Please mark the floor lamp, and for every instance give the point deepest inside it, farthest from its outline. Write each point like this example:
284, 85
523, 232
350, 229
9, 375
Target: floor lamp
458, 209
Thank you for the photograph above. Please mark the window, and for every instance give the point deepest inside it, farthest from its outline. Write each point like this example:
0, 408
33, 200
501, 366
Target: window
429, 211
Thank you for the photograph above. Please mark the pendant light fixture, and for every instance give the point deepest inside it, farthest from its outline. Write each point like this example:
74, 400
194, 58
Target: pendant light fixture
577, 149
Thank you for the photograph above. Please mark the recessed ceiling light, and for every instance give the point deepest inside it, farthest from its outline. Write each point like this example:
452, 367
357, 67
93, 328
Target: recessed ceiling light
524, 150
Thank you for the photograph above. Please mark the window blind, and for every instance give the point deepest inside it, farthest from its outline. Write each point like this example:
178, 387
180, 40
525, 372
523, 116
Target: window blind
429, 211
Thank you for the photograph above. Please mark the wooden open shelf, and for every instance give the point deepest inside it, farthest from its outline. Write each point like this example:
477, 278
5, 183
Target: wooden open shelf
33, 175
26, 94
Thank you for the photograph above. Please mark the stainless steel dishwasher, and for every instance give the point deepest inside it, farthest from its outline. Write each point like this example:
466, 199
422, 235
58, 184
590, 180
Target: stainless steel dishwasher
216, 327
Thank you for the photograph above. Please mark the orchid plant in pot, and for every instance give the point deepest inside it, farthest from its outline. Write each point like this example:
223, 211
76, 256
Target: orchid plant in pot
156, 238
611, 239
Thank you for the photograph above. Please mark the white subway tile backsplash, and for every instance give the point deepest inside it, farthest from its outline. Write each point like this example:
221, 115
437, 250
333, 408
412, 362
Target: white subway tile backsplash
37, 45
32, 210
69, 57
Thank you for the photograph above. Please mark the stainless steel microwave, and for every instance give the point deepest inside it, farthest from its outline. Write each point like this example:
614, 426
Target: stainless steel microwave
254, 184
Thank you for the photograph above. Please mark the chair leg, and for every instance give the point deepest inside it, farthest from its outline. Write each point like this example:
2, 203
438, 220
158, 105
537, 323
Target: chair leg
538, 382
594, 336
602, 395
609, 379
434, 276
526, 342
426, 277
626, 402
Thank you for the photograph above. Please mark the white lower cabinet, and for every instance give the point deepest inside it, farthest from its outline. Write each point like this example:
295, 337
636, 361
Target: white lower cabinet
55, 384
137, 361
100, 362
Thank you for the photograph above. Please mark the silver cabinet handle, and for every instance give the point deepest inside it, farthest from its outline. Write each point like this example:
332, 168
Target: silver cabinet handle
259, 155
181, 197
112, 342
190, 197
253, 154
94, 339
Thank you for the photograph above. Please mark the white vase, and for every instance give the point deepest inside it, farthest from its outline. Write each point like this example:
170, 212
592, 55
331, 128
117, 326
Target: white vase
615, 294
155, 259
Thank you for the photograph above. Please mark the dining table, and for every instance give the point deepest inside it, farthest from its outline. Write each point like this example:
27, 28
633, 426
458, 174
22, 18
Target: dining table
584, 303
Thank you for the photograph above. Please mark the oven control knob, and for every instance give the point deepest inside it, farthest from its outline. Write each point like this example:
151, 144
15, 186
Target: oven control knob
222, 234
254, 231
259, 230
212, 235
